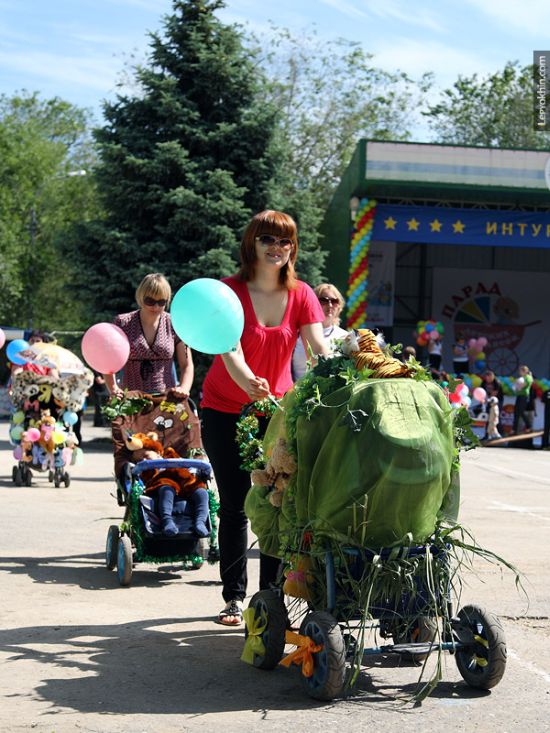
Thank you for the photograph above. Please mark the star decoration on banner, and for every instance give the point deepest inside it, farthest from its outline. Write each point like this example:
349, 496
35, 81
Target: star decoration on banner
435, 225
413, 225
458, 227
390, 222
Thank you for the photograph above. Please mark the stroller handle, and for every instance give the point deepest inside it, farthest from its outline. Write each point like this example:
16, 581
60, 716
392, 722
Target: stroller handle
158, 463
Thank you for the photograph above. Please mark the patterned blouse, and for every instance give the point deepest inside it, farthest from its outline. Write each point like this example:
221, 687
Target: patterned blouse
149, 368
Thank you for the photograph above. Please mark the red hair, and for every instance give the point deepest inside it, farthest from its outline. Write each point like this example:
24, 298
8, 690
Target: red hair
278, 224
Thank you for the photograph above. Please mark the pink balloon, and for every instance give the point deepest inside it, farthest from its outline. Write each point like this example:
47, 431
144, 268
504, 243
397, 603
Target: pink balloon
472, 343
105, 348
33, 434
482, 342
2, 338
433, 335
479, 394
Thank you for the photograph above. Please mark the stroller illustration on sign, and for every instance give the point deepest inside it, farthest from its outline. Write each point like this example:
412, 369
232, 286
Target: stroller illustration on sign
163, 482
41, 426
368, 536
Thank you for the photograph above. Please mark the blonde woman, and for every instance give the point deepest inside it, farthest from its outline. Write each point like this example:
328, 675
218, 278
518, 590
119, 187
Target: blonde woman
154, 345
332, 303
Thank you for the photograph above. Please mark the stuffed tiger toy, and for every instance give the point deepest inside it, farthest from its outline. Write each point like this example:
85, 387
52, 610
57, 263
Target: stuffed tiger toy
365, 351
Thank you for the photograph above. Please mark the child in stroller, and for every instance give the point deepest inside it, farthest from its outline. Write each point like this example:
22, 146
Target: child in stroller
162, 480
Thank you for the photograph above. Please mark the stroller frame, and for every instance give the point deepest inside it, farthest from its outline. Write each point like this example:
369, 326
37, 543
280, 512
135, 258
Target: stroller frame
474, 636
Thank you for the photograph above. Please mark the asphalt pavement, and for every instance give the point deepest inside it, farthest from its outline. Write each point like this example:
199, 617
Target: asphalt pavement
80, 653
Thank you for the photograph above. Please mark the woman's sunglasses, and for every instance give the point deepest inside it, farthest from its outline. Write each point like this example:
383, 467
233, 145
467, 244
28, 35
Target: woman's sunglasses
326, 301
268, 240
151, 301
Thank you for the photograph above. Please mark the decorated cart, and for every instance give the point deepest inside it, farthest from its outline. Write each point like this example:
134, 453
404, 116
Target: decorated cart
357, 491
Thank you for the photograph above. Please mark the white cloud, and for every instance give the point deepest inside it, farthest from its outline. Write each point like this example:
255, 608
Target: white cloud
92, 73
403, 12
415, 57
346, 8
533, 16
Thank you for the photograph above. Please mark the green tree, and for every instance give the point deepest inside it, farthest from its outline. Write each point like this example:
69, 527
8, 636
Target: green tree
492, 110
185, 159
41, 143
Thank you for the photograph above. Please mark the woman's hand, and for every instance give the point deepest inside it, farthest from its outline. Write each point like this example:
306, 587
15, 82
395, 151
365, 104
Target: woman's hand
258, 388
180, 392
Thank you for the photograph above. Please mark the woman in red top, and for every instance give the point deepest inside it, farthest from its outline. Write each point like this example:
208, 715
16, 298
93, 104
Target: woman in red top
277, 309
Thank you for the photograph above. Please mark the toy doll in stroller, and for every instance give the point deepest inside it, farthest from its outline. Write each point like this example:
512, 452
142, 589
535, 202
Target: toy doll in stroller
162, 480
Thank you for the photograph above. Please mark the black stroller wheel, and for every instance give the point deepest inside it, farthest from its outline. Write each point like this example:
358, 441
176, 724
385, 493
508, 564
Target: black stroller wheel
50, 476
111, 547
28, 477
483, 662
17, 477
66, 480
270, 611
124, 560
329, 670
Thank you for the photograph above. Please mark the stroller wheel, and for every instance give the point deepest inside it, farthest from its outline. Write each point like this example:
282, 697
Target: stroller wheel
16, 476
124, 560
66, 480
482, 663
28, 478
421, 630
50, 476
270, 611
329, 670
111, 547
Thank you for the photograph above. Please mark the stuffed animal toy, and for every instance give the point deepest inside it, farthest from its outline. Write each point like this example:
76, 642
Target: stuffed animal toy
277, 472
26, 447
364, 349
46, 426
167, 483
299, 577
492, 421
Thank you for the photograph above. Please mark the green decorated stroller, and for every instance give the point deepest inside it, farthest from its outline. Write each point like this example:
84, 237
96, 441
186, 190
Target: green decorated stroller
367, 534
140, 538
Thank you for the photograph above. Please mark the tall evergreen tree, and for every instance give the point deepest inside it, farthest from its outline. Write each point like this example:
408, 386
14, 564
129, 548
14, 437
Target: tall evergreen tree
185, 160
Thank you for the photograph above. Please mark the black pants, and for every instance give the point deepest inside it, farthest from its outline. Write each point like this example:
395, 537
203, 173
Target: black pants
218, 432
460, 368
521, 411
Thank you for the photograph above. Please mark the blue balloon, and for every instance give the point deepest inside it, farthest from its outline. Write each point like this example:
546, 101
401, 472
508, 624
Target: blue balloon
14, 347
70, 418
208, 316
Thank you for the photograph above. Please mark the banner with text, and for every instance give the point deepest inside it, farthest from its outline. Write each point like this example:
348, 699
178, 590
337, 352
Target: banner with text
484, 227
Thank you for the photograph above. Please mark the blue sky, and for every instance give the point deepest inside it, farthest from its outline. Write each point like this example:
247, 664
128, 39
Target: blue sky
76, 49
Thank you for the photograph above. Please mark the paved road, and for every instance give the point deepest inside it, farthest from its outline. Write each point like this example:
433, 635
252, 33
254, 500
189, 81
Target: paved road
79, 653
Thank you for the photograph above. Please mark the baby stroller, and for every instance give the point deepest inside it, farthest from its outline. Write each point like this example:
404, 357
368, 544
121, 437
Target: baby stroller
41, 425
376, 465
173, 426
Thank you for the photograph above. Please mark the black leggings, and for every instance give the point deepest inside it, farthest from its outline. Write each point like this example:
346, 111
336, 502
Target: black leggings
218, 432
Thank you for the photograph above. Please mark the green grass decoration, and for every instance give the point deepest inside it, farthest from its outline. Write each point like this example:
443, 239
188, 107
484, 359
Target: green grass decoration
122, 406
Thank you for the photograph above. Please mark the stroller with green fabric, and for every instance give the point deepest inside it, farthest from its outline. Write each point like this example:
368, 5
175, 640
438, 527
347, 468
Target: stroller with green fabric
140, 538
367, 535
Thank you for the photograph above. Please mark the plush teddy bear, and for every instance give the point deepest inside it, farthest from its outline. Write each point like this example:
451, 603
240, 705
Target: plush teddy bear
166, 483
277, 472
26, 447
